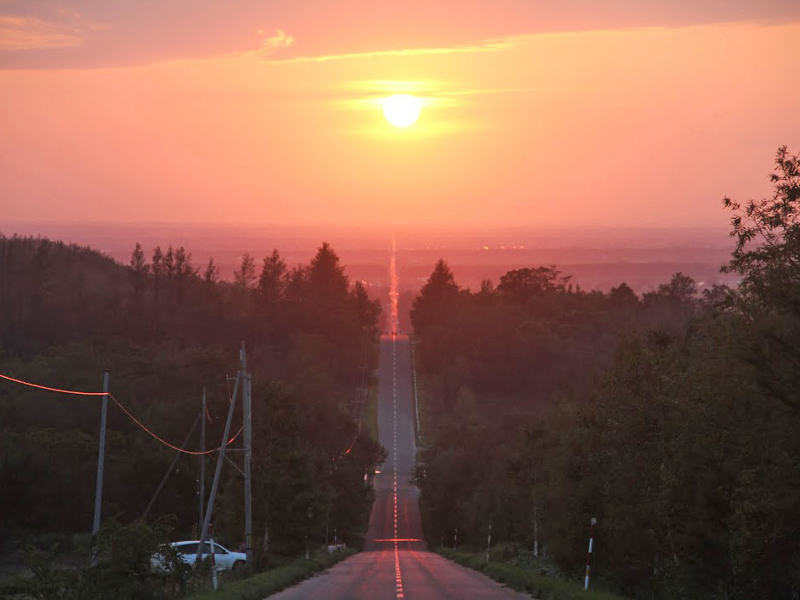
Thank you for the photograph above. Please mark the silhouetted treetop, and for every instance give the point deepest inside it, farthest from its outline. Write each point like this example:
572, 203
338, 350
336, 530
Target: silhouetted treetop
326, 276
272, 280
521, 285
440, 289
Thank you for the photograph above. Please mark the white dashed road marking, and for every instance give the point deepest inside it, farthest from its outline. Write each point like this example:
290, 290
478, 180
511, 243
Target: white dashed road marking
397, 573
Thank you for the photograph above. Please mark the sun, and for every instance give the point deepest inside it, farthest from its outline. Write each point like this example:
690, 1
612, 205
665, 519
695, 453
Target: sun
402, 110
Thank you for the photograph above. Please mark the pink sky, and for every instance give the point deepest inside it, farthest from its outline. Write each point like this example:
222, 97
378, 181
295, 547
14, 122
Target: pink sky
616, 113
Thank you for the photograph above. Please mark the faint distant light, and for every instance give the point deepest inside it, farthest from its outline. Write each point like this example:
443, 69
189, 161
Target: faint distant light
486, 247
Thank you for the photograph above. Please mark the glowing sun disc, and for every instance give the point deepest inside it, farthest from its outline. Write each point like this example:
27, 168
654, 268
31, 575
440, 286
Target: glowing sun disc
402, 110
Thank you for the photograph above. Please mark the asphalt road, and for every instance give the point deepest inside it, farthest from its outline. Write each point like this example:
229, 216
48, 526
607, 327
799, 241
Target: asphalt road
395, 562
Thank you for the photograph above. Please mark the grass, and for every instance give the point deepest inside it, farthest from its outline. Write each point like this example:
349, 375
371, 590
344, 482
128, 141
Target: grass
274, 580
10, 585
417, 395
371, 415
524, 579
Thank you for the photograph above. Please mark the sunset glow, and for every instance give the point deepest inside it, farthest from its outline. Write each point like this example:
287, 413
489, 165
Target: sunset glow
526, 118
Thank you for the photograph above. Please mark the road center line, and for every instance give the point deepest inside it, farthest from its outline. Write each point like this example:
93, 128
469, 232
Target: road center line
398, 572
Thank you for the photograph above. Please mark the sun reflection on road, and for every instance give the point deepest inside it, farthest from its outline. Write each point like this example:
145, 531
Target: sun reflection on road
393, 293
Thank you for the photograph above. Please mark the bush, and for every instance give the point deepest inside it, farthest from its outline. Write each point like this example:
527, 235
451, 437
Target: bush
124, 570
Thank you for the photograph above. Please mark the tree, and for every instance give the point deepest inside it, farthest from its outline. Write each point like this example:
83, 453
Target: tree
680, 290
272, 281
244, 277
767, 256
169, 271
771, 269
718, 297
367, 310
138, 270
326, 276
520, 285
623, 295
211, 273
158, 271
183, 270
440, 289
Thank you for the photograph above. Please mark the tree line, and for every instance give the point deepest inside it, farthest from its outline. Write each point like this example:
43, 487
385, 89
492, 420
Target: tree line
168, 330
674, 419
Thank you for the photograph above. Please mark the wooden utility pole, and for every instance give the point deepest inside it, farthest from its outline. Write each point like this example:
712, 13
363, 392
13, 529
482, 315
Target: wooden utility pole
202, 490
98, 492
169, 471
215, 484
247, 425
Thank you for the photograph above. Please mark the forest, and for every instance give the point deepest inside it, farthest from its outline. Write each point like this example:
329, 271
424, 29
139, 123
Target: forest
673, 419
168, 330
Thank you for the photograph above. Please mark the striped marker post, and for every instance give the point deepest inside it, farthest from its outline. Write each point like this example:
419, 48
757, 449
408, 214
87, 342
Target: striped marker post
488, 543
589, 554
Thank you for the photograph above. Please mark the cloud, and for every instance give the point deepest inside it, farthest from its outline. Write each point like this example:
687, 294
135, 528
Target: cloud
493, 45
278, 41
24, 32
31, 33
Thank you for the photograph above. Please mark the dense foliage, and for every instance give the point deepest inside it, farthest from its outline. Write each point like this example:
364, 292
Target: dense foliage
673, 419
167, 330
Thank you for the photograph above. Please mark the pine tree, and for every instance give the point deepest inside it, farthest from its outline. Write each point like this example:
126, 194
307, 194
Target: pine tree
272, 281
138, 270
158, 271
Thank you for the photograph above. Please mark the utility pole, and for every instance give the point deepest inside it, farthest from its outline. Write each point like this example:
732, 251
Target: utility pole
535, 529
215, 484
202, 490
98, 492
248, 495
247, 425
169, 471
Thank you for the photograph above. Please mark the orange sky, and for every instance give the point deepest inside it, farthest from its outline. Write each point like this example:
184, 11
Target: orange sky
620, 117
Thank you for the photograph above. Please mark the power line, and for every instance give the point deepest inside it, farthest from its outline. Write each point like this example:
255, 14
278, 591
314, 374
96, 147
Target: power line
51, 389
122, 407
155, 435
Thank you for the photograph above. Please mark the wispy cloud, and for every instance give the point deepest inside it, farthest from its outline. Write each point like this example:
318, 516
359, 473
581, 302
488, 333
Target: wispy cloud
484, 46
31, 33
277, 41
492, 44
69, 29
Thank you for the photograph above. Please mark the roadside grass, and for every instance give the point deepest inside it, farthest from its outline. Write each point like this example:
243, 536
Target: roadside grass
525, 579
11, 585
371, 414
417, 393
273, 580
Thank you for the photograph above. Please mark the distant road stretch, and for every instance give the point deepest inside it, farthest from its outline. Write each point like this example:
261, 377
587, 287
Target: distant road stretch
395, 562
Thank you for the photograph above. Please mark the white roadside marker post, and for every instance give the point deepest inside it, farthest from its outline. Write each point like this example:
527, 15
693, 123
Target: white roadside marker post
589, 554
488, 542
214, 579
